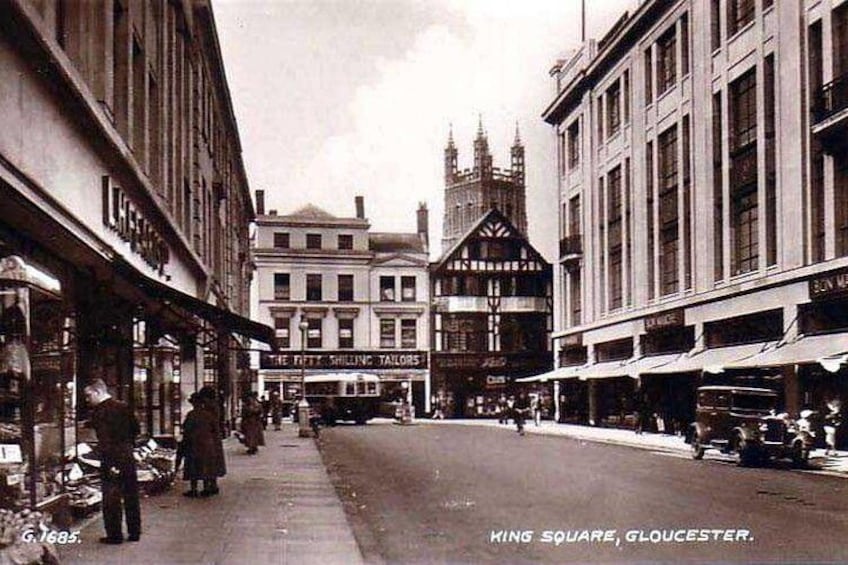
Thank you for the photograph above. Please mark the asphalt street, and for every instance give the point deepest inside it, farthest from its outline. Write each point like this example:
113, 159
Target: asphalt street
463, 494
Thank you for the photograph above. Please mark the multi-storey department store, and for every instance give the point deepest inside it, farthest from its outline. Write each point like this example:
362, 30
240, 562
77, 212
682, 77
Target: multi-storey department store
123, 225
703, 184
342, 298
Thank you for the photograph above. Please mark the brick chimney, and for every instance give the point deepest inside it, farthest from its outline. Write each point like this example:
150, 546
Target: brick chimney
260, 202
360, 207
423, 222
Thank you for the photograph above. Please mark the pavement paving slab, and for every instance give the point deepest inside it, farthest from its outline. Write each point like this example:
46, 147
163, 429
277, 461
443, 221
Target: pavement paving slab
278, 507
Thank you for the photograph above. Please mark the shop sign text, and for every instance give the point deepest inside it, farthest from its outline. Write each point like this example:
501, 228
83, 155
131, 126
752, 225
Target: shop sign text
825, 286
122, 215
664, 320
345, 360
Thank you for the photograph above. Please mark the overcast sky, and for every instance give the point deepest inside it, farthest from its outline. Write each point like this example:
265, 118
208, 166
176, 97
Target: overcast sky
342, 98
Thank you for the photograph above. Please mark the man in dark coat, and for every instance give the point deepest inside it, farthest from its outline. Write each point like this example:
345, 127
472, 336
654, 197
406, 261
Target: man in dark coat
116, 429
251, 423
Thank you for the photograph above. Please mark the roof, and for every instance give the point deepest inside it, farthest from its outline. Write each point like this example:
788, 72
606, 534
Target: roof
311, 212
344, 377
493, 215
730, 388
385, 242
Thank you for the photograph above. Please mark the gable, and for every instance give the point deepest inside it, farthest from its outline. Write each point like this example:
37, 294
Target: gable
493, 244
398, 260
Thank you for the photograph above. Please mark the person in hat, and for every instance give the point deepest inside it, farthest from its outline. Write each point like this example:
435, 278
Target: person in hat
251, 423
199, 448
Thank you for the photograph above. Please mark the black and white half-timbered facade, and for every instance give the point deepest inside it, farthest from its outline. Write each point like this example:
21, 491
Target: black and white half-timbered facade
492, 317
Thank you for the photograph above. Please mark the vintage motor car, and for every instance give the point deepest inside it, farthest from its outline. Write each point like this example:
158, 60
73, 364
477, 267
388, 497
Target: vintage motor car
743, 421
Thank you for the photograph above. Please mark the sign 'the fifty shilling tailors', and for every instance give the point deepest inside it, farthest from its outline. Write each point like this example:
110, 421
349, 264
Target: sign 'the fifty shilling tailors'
345, 360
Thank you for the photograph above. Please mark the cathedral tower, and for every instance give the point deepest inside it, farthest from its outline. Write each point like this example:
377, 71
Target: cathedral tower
469, 194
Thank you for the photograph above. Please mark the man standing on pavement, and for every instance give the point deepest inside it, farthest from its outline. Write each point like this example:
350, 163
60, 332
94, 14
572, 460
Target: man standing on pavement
116, 429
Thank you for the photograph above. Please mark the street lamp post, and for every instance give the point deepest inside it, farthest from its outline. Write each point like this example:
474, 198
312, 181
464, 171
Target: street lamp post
302, 405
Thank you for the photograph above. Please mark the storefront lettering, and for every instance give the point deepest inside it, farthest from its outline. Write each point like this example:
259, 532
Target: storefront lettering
572, 340
829, 285
121, 215
663, 320
340, 360
487, 362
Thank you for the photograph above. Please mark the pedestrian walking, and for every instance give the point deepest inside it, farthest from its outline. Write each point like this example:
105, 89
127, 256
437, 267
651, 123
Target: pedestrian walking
201, 436
116, 428
265, 402
832, 421
503, 417
521, 409
276, 410
251, 423
537, 410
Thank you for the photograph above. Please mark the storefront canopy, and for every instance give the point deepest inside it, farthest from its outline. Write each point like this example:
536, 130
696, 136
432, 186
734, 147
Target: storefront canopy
219, 317
561, 373
830, 350
718, 359
649, 363
605, 370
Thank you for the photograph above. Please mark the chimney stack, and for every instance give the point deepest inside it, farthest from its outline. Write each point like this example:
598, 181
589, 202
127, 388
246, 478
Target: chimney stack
423, 222
260, 202
360, 207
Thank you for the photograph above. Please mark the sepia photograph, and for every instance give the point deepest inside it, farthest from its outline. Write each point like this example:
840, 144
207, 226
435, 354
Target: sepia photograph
448, 282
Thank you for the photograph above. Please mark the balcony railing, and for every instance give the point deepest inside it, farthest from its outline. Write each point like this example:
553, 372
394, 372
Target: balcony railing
571, 245
831, 98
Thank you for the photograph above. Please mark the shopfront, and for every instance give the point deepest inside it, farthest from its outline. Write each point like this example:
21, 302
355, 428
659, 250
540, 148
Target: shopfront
470, 385
402, 373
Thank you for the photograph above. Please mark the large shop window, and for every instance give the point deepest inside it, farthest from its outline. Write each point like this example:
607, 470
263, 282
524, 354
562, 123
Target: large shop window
36, 387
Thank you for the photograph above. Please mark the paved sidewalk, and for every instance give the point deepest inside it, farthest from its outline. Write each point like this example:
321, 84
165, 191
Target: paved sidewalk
275, 507
819, 462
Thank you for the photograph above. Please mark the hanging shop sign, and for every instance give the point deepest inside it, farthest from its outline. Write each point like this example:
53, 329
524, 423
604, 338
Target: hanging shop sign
829, 285
664, 320
345, 360
123, 216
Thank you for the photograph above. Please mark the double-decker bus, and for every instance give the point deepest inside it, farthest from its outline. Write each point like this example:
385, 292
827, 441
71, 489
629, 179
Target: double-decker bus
343, 396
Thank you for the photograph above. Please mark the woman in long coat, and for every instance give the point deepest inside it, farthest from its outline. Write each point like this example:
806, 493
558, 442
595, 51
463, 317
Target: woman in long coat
199, 448
251, 423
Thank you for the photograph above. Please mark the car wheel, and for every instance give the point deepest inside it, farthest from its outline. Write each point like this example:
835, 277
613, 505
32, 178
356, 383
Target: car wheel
697, 448
800, 454
746, 454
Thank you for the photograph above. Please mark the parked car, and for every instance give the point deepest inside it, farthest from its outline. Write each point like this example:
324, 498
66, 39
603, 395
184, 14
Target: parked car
743, 421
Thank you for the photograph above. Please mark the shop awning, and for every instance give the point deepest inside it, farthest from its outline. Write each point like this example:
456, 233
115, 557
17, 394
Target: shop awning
830, 350
606, 369
561, 373
648, 363
218, 317
718, 359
